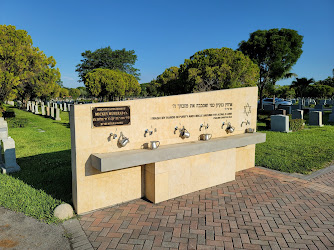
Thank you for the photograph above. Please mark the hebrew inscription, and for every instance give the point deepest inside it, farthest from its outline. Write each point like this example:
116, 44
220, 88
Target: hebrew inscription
221, 111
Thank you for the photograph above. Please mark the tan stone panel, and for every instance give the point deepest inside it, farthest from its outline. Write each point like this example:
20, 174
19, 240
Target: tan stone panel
131, 183
161, 187
245, 157
150, 185
99, 193
199, 172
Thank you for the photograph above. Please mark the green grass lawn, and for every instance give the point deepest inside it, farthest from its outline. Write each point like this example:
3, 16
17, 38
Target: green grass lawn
301, 152
43, 151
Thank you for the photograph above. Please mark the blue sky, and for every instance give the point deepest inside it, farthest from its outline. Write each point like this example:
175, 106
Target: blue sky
164, 33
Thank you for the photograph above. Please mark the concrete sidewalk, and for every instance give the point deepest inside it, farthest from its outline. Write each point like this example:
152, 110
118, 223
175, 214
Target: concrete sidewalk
18, 231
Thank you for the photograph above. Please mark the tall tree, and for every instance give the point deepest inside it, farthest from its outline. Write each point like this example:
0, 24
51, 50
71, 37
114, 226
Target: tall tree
213, 69
206, 70
106, 58
275, 51
300, 86
75, 93
108, 84
329, 81
284, 91
320, 91
25, 71
168, 82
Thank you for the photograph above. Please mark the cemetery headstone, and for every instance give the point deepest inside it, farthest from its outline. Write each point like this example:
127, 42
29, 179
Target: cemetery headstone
298, 114
269, 107
33, 108
322, 102
3, 129
319, 107
43, 110
331, 116
36, 109
58, 115
287, 108
65, 107
279, 112
52, 113
280, 123
48, 111
295, 107
10, 155
315, 118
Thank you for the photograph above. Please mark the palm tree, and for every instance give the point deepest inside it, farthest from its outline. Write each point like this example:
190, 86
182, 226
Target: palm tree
300, 85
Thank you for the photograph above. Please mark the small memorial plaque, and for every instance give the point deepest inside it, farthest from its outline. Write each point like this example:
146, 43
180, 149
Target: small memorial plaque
111, 116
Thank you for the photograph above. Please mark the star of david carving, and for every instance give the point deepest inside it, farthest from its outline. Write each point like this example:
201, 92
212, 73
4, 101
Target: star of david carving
247, 109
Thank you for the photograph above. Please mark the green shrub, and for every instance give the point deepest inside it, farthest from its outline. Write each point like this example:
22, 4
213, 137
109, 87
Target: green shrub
297, 124
15, 122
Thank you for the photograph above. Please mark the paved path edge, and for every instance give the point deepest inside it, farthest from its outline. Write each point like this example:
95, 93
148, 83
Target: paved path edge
302, 176
77, 237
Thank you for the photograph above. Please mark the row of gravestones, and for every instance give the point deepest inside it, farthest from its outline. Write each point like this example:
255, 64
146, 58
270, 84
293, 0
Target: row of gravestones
309, 101
280, 122
7, 149
51, 109
302, 104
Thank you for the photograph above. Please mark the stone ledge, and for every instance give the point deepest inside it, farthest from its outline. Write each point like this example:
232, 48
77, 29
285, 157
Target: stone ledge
125, 159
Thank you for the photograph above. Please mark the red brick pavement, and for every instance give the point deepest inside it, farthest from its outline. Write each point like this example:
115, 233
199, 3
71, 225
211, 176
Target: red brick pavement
325, 179
259, 210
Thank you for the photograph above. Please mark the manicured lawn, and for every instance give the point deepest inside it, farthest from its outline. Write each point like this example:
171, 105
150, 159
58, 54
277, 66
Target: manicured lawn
301, 152
44, 155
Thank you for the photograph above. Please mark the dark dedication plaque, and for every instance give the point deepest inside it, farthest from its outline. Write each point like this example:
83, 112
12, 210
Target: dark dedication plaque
111, 116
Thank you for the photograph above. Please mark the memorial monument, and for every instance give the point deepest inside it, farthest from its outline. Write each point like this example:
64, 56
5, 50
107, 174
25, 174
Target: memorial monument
160, 148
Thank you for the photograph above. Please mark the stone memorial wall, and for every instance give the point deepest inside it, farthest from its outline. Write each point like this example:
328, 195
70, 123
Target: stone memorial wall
199, 141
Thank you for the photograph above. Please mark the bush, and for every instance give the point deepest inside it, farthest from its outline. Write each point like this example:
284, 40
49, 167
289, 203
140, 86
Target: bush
7, 114
297, 124
17, 122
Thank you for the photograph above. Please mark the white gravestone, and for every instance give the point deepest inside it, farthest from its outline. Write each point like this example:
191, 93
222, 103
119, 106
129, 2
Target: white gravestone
58, 115
36, 109
43, 110
3, 129
280, 123
52, 113
10, 155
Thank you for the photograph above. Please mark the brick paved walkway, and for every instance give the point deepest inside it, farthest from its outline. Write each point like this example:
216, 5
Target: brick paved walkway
259, 210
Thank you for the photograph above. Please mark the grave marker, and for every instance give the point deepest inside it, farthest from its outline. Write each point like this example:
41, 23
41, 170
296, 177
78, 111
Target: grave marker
280, 123
315, 118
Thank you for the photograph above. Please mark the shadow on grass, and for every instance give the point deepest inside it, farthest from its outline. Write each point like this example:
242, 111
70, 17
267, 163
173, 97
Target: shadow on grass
66, 125
49, 172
